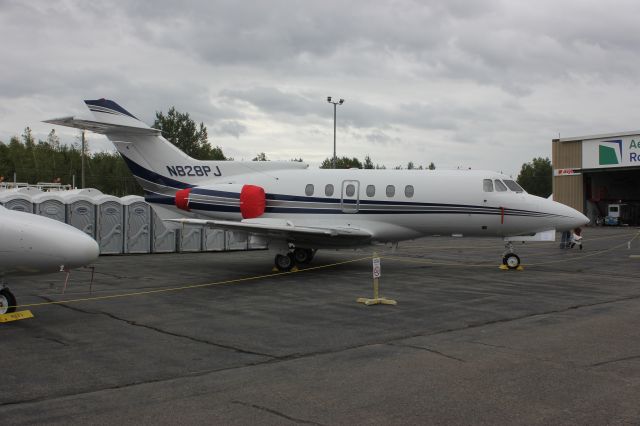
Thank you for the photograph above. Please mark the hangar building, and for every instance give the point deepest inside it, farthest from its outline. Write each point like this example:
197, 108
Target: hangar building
599, 175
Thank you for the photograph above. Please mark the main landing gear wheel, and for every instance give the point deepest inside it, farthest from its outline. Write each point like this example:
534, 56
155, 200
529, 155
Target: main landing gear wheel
511, 260
284, 262
7, 301
303, 256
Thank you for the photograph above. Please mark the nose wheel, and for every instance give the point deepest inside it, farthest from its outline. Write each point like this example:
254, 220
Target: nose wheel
511, 260
7, 301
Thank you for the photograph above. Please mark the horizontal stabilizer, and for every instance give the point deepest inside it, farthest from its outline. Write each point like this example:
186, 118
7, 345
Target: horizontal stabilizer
103, 128
549, 235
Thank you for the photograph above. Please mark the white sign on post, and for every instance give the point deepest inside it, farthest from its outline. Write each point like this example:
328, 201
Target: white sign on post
376, 267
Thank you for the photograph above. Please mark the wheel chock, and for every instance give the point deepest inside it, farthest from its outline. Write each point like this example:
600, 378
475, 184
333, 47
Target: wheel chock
294, 269
274, 269
16, 316
506, 268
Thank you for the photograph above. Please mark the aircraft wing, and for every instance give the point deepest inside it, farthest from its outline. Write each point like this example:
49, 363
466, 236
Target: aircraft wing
285, 230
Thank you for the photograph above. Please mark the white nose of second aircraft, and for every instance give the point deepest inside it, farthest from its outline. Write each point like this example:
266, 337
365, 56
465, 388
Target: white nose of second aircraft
80, 250
66, 245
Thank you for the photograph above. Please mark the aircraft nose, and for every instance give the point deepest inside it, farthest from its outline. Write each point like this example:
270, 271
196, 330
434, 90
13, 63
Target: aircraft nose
81, 250
574, 219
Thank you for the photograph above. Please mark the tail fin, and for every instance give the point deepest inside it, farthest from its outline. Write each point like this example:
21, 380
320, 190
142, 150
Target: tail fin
106, 111
159, 166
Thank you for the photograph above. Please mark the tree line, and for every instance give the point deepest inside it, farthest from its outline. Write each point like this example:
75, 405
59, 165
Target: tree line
51, 161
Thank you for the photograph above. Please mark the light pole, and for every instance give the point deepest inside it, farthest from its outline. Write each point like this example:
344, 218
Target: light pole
335, 105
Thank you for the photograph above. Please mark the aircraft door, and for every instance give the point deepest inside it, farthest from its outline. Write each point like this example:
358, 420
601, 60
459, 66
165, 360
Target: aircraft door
350, 196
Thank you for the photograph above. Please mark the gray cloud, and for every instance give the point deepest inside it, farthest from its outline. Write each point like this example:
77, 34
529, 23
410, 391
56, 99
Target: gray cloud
230, 127
422, 74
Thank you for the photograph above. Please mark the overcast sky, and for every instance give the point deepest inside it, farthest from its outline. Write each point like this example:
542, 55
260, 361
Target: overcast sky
484, 84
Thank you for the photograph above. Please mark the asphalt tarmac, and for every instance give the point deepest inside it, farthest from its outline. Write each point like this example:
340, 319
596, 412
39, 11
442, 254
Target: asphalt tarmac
217, 338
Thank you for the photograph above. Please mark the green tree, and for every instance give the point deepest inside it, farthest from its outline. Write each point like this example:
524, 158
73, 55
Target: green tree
368, 164
341, 163
432, 166
410, 165
179, 129
535, 177
260, 157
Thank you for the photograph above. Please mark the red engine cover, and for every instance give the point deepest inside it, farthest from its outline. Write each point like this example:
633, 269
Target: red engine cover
182, 199
252, 201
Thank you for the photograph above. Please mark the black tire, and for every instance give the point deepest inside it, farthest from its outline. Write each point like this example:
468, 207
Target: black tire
302, 256
511, 260
284, 262
7, 301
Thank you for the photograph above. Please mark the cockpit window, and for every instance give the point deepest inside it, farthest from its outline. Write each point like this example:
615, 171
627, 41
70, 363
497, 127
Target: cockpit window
513, 185
487, 185
500, 186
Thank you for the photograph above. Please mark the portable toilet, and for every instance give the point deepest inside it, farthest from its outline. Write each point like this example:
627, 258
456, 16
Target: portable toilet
163, 238
190, 238
51, 205
109, 224
237, 240
88, 192
80, 211
213, 239
19, 199
137, 224
258, 242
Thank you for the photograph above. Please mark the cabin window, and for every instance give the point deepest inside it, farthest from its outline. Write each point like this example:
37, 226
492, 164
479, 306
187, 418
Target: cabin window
350, 190
371, 190
391, 191
309, 189
328, 190
513, 185
487, 185
500, 186
408, 191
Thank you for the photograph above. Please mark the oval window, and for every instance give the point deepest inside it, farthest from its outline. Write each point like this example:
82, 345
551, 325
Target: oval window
328, 190
350, 190
408, 191
391, 190
309, 189
371, 190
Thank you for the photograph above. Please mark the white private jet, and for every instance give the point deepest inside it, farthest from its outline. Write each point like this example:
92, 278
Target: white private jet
31, 245
301, 210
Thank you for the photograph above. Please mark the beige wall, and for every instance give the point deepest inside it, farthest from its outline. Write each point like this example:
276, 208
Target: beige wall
568, 190
566, 155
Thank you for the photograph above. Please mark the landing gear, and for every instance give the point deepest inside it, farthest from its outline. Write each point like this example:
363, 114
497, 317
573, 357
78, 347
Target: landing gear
509, 258
295, 256
303, 256
7, 301
284, 262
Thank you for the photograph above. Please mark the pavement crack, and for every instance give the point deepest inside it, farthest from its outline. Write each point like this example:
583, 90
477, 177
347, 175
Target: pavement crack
487, 344
628, 358
433, 351
184, 336
169, 333
277, 413
527, 316
53, 339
